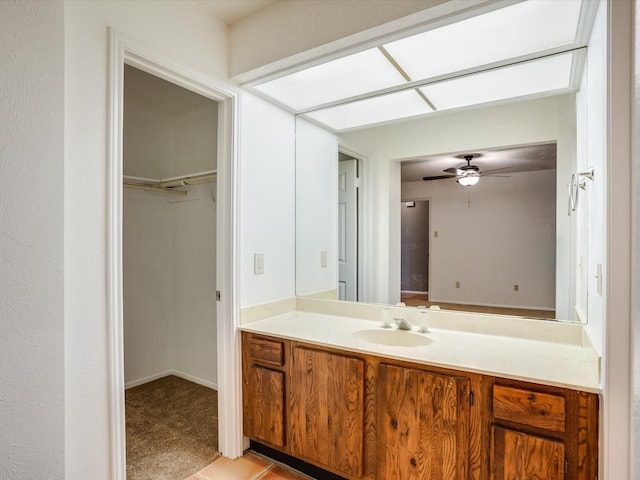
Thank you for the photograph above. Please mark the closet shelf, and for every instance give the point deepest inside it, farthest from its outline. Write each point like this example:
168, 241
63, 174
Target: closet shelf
168, 185
153, 188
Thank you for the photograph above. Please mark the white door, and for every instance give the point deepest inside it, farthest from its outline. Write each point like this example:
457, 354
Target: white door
347, 230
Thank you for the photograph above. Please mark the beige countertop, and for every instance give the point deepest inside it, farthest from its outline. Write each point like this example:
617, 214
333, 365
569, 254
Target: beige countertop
555, 357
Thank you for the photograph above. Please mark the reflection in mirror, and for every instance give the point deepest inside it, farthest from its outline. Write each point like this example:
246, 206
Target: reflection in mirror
489, 271
489, 247
521, 258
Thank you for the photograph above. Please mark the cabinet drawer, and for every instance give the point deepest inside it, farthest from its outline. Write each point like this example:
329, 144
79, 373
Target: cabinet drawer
267, 351
528, 407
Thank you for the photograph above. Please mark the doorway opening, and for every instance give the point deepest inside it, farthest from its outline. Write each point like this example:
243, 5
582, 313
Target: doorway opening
348, 227
169, 277
414, 252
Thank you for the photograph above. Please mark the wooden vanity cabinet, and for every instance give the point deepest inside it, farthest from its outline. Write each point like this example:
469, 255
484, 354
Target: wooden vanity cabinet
423, 424
326, 410
542, 433
263, 390
370, 418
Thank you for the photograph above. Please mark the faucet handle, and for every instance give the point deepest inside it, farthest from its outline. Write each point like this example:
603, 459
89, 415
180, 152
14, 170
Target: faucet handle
402, 324
422, 320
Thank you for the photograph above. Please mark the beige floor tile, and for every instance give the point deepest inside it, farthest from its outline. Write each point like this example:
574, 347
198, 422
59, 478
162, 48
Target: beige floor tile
281, 473
247, 467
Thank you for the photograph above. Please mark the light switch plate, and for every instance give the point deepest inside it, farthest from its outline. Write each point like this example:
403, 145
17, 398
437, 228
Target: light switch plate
258, 263
323, 259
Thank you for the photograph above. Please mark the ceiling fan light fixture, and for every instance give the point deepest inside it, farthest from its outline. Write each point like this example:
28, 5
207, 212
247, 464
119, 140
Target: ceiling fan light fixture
469, 180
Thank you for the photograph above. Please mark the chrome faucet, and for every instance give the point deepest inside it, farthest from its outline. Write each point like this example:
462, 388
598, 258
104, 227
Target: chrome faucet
402, 324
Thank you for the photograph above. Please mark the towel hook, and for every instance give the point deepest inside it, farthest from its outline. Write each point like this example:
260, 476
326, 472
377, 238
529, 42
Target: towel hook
577, 181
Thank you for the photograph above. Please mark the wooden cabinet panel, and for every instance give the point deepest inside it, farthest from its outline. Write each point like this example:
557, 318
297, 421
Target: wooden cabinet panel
521, 456
368, 418
326, 409
529, 407
266, 351
423, 425
263, 404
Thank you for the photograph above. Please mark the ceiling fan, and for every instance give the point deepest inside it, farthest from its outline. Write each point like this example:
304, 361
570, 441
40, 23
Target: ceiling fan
467, 175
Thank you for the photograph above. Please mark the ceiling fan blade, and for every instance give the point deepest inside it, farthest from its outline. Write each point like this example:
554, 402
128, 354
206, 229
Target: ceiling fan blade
494, 175
455, 171
438, 177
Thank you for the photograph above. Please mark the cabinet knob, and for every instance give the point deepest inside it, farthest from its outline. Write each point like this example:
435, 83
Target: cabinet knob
394, 424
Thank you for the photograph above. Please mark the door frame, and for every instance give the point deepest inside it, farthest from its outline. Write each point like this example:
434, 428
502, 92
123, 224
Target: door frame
364, 221
124, 50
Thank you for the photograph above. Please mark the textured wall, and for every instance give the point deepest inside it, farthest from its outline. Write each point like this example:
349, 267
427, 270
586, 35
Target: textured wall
186, 36
31, 240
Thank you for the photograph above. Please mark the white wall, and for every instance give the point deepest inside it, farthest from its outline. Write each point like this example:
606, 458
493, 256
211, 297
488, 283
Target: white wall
267, 202
316, 221
155, 135
148, 285
148, 143
169, 286
591, 212
189, 37
31, 240
196, 138
193, 253
492, 236
521, 123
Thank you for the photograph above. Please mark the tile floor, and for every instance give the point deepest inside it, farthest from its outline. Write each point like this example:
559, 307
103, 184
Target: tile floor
251, 466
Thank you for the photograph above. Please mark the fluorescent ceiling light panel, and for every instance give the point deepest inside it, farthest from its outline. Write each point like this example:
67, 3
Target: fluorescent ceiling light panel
538, 76
406, 103
510, 32
345, 77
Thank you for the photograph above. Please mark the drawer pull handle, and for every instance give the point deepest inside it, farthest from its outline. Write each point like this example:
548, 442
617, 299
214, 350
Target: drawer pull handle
531, 397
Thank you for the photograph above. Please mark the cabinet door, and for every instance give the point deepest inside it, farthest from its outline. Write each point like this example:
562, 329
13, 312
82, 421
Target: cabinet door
518, 455
423, 425
326, 409
263, 404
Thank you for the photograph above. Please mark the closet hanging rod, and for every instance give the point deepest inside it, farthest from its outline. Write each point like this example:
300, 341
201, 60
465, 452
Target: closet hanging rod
153, 188
191, 180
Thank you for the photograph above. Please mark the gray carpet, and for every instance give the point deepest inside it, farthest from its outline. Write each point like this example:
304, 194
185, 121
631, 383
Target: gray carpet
172, 429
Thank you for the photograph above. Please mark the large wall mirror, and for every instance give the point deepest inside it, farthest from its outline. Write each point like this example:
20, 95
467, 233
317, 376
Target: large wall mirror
435, 167
504, 245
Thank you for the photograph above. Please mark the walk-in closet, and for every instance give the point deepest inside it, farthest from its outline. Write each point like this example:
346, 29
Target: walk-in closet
169, 277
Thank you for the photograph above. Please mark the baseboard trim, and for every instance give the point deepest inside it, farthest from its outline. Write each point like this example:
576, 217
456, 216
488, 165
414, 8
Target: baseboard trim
191, 378
166, 373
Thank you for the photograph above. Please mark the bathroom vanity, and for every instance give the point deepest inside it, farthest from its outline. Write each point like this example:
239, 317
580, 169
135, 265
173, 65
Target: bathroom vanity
445, 405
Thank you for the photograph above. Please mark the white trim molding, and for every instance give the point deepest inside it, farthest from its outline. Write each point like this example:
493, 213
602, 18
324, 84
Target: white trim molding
124, 50
365, 225
616, 457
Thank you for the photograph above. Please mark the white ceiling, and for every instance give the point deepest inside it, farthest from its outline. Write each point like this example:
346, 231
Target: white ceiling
151, 92
519, 50
509, 160
232, 11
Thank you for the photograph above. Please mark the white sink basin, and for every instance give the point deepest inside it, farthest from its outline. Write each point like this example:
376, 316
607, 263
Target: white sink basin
392, 338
